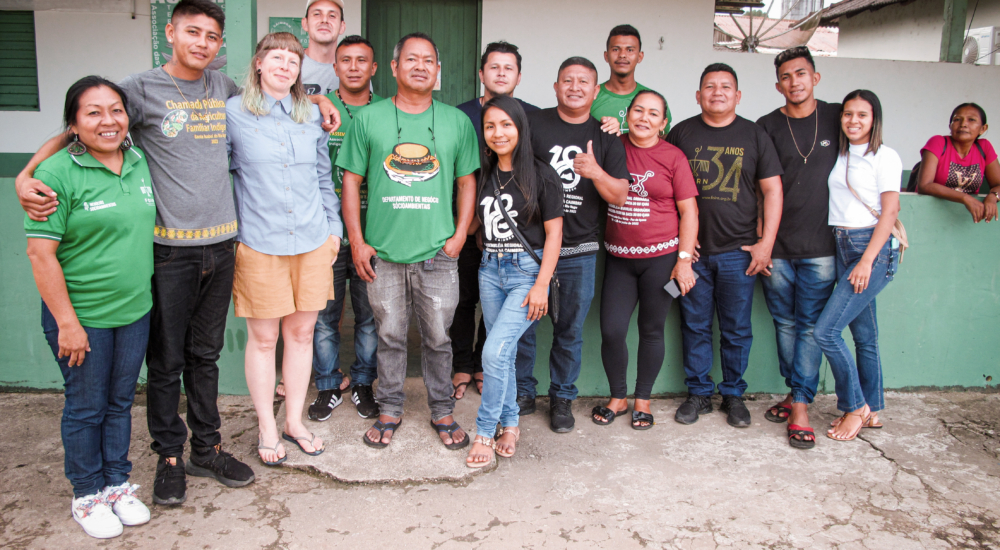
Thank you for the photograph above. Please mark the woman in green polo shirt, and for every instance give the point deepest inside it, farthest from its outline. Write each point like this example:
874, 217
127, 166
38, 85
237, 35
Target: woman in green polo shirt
93, 263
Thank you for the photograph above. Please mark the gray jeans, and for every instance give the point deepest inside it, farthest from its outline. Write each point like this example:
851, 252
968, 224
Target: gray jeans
432, 293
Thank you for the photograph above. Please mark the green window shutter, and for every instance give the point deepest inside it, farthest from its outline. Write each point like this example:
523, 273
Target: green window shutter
18, 65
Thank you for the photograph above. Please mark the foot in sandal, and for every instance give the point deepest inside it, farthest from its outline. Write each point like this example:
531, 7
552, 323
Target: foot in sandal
451, 434
381, 433
872, 422
506, 444
306, 441
481, 453
603, 416
271, 455
799, 429
850, 425
460, 382
639, 421
779, 412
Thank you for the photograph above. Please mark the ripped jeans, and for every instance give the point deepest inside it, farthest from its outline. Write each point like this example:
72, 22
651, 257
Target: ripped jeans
429, 290
504, 282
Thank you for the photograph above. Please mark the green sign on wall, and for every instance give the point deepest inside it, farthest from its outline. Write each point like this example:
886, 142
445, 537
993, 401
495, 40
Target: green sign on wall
289, 24
160, 11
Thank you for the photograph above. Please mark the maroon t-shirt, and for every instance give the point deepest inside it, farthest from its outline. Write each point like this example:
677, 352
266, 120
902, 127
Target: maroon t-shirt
647, 226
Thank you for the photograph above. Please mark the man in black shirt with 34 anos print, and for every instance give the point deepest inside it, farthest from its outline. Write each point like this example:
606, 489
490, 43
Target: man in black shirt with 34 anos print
591, 166
733, 161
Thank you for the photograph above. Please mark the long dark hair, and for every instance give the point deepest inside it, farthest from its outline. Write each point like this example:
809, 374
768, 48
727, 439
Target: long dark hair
73, 94
875, 137
523, 158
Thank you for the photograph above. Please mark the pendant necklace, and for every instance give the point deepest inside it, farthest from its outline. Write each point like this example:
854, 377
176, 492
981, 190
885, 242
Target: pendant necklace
502, 185
805, 158
204, 103
348, 109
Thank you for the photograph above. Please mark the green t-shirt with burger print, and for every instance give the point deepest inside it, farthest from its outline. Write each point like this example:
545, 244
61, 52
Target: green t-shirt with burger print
347, 114
410, 162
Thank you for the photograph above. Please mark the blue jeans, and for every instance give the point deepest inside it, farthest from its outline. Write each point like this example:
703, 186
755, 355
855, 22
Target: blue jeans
576, 291
504, 282
796, 293
725, 289
97, 417
326, 338
856, 383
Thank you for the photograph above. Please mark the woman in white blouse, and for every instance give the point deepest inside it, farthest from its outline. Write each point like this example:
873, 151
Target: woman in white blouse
864, 203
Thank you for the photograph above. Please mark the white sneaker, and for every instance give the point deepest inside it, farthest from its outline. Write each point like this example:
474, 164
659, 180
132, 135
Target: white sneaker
129, 509
96, 517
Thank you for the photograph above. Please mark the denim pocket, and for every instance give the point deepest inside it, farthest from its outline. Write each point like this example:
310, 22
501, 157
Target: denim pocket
527, 266
163, 255
484, 260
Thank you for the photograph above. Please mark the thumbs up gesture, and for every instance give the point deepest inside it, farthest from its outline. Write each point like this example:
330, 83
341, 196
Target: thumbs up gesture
586, 165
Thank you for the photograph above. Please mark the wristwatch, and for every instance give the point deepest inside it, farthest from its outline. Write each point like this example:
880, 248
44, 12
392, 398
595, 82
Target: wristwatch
684, 255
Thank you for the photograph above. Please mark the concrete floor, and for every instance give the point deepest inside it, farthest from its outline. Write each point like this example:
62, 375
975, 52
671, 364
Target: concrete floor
930, 479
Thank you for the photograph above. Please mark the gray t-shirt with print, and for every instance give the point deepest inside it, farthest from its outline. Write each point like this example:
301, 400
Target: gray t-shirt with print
181, 126
318, 78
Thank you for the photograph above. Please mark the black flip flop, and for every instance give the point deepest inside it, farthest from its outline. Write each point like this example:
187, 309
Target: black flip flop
450, 429
296, 440
638, 416
779, 409
454, 391
797, 437
382, 427
607, 414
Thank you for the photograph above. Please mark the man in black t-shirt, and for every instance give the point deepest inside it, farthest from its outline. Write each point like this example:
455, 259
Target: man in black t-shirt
591, 166
805, 133
739, 178
500, 72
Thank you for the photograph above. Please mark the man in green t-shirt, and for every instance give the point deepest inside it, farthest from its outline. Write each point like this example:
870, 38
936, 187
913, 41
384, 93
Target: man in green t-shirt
355, 66
410, 149
623, 55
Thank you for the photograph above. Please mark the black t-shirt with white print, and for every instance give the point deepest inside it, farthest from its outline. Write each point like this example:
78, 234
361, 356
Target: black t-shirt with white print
497, 236
557, 142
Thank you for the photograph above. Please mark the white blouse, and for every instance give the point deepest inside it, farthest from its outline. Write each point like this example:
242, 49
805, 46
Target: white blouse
871, 175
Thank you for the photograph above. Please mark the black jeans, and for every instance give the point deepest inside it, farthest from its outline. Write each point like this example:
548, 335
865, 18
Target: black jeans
192, 287
466, 348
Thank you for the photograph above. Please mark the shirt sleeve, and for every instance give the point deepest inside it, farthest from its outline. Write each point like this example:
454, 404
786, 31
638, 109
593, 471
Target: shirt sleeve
324, 170
550, 200
889, 175
935, 146
467, 159
991, 154
614, 162
683, 180
768, 163
231, 88
134, 97
355, 150
55, 227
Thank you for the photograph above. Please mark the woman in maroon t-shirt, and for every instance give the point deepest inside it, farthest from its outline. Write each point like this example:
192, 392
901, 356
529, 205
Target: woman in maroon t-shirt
647, 247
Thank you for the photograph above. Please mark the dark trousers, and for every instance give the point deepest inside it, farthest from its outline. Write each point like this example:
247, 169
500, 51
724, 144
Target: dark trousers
466, 347
192, 287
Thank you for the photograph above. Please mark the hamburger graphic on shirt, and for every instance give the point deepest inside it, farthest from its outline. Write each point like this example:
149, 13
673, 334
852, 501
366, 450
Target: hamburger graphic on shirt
409, 163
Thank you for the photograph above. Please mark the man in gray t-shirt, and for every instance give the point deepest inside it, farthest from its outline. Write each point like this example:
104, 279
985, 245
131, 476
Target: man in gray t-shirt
324, 21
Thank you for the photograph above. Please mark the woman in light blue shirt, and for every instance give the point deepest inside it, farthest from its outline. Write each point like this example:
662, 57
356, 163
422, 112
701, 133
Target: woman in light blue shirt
289, 233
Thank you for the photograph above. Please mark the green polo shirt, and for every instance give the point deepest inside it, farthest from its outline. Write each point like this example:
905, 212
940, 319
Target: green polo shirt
104, 225
616, 106
347, 114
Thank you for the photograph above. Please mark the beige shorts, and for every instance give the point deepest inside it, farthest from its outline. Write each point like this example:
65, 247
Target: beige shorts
269, 287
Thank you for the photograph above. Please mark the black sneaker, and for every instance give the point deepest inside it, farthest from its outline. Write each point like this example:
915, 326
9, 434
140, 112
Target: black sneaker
170, 484
561, 415
214, 462
738, 415
325, 402
689, 410
364, 399
526, 404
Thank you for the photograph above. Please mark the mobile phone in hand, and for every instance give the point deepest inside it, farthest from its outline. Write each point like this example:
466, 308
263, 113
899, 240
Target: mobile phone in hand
674, 290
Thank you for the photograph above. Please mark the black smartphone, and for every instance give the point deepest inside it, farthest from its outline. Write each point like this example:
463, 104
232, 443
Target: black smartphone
372, 261
674, 290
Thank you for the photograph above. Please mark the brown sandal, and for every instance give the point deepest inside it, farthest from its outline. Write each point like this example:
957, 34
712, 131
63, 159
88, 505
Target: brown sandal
482, 440
872, 422
517, 437
864, 415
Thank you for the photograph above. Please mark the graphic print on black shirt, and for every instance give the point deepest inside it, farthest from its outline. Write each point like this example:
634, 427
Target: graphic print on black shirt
804, 232
727, 163
557, 143
497, 235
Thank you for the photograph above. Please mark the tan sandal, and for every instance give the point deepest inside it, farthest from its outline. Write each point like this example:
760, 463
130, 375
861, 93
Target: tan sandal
864, 415
490, 443
517, 437
872, 422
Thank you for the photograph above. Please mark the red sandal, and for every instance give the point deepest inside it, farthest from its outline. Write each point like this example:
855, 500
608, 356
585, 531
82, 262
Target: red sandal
801, 437
778, 413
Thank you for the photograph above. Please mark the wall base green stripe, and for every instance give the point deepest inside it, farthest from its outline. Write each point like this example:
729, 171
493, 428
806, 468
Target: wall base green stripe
11, 164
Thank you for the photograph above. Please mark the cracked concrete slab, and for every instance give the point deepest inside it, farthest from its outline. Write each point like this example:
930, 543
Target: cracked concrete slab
929, 479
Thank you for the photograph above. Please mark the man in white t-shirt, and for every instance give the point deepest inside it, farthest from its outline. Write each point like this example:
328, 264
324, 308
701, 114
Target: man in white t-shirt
324, 21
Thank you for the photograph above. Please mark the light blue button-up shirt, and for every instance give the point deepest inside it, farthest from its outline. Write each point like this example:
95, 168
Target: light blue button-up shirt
285, 200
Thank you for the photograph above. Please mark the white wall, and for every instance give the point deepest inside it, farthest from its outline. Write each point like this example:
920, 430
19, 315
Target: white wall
69, 46
911, 32
917, 97
267, 9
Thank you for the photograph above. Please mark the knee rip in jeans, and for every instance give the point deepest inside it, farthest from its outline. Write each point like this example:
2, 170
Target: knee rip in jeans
387, 306
436, 301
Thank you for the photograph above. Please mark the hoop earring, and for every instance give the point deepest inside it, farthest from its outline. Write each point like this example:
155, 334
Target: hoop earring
126, 143
487, 152
76, 147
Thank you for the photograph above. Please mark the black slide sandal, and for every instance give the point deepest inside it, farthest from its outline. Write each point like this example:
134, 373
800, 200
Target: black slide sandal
638, 416
607, 414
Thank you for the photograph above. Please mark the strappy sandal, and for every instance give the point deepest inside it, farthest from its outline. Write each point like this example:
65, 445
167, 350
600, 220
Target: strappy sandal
872, 422
517, 437
801, 437
478, 384
605, 413
309, 440
450, 429
262, 447
778, 413
864, 415
639, 416
491, 444
382, 427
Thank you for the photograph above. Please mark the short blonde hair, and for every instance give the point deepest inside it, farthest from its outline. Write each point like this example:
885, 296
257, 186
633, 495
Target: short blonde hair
253, 98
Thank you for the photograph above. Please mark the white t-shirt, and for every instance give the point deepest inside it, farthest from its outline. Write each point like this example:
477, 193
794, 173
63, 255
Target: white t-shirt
871, 175
318, 78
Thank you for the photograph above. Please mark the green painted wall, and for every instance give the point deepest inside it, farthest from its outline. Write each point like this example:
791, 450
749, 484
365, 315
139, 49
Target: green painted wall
936, 317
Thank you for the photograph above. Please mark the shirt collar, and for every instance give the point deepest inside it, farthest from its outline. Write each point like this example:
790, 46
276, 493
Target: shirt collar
286, 102
130, 159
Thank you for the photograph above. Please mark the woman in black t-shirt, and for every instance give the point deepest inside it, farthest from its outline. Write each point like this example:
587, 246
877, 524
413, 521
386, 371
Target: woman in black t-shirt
513, 287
